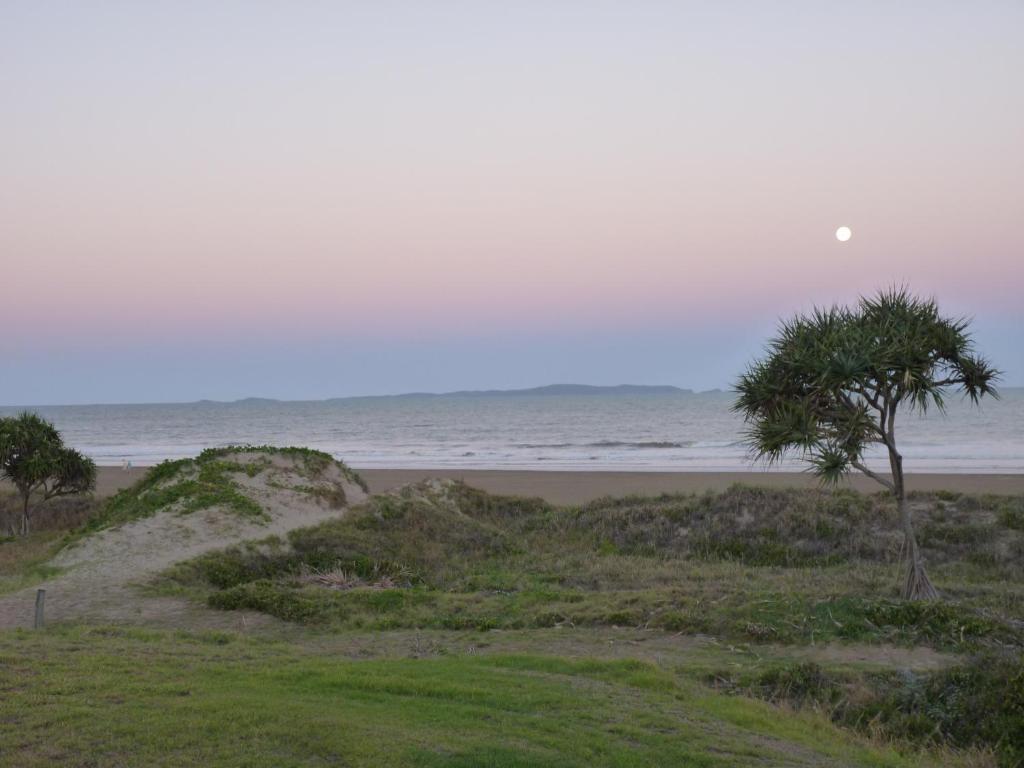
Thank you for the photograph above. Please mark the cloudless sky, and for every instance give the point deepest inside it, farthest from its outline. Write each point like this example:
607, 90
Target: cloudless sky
302, 200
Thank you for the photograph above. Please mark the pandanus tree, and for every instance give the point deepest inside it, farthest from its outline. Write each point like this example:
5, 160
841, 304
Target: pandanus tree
33, 457
833, 381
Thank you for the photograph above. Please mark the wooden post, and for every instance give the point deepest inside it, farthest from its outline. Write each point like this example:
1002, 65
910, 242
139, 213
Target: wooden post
40, 600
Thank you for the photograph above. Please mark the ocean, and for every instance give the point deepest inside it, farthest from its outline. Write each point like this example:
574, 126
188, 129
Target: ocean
660, 431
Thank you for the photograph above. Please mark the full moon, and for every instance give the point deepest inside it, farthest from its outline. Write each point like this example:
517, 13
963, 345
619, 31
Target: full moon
843, 234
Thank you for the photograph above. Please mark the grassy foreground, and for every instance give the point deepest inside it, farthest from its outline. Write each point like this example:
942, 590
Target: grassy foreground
440, 625
101, 696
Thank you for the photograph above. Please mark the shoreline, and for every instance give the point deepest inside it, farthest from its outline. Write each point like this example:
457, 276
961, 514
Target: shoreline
576, 487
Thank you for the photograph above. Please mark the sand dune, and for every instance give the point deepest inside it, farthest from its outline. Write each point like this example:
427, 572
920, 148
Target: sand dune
99, 571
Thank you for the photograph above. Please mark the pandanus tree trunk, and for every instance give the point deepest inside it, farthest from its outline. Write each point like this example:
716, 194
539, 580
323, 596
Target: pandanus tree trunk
24, 514
917, 585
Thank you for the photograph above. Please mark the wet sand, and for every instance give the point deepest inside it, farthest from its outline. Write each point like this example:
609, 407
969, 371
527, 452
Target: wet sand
565, 487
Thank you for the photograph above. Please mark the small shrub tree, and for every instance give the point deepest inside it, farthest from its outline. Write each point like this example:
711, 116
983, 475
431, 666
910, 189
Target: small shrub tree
33, 457
832, 383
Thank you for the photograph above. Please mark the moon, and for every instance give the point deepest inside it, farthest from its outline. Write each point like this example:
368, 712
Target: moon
843, 234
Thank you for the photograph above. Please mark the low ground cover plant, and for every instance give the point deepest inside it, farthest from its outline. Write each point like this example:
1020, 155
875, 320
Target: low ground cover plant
748, 565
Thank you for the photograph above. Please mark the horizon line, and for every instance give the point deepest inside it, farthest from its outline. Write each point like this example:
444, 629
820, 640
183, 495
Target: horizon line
594, 389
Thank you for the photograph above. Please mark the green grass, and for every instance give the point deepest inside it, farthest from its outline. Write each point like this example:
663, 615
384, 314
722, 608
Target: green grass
186, 485
1011, 512
96, 696
976, 703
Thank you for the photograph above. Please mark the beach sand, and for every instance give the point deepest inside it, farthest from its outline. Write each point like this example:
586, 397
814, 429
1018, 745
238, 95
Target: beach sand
565, 487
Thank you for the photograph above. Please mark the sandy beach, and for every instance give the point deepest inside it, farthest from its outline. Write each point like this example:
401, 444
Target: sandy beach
564, 487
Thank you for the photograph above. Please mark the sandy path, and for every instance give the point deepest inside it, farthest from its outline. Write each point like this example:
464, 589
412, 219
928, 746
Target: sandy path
103, 570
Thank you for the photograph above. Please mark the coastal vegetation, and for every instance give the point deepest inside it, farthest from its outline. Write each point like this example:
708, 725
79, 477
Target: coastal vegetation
35, 460
441, 625
210, 480
976, 703
833, 381
25, 560
757, 570
748, 565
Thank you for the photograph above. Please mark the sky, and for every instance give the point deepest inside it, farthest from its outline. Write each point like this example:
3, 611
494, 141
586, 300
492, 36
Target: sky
305, 200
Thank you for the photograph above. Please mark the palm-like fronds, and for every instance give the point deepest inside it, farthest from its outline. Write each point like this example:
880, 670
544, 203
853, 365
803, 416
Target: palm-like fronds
832, 380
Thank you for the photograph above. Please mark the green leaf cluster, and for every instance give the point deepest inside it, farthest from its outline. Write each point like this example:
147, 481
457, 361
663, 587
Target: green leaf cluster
34, 458
832, 380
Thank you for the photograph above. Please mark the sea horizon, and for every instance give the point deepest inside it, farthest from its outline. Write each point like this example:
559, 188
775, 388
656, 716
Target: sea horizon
558, 427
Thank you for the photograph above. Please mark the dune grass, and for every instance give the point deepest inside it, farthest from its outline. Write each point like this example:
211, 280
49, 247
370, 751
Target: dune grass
97, 696
748, 566
975, 703
207, 481
24, 559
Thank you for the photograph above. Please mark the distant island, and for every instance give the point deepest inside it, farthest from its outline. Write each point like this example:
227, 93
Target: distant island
626, 390
550, 389
544, 391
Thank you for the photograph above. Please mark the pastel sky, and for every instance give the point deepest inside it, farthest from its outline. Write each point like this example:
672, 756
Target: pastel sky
302, 200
